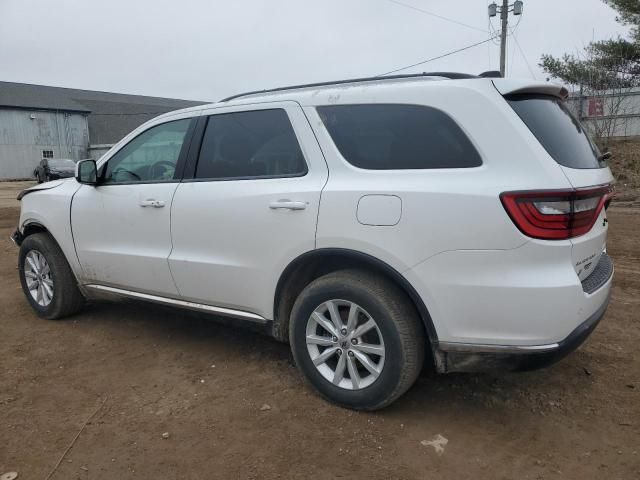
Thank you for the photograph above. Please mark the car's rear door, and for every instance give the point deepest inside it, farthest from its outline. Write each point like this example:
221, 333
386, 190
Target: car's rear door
121, 227
250, 206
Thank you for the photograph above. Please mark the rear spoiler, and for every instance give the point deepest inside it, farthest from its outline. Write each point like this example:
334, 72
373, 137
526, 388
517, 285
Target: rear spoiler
508, 86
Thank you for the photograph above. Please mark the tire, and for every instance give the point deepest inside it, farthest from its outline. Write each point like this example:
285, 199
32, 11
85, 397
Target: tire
65, 298
398, 330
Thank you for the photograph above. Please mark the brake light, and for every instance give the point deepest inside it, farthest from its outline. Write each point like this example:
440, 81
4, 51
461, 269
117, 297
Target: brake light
556, 215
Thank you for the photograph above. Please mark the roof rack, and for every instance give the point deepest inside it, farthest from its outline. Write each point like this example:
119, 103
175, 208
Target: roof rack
449, 75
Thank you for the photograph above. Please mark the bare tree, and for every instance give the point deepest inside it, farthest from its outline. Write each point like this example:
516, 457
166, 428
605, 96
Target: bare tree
604, 103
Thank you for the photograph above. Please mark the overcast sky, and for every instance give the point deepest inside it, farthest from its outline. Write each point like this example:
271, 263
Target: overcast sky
208, 49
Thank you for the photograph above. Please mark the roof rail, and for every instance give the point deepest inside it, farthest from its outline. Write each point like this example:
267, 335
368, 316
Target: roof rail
449, 75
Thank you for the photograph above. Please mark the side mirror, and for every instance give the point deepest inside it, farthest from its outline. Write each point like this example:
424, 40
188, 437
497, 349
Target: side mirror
87, 172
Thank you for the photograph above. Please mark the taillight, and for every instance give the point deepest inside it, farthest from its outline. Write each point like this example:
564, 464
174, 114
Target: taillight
556, 215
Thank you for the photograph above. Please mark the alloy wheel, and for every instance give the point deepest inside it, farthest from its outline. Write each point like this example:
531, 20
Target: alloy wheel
345, 344
38, 278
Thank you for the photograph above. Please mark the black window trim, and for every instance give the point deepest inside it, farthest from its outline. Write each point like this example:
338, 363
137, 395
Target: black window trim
180, 164
194, 152
351, 165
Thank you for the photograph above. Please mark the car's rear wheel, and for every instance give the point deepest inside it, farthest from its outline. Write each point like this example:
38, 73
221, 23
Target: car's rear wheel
47, 279
357, 338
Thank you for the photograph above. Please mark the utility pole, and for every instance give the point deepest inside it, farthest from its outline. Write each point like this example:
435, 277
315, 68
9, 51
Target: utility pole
516, 8
504, 14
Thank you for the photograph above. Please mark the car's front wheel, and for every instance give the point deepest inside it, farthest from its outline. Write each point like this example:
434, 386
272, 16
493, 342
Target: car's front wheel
357, 338
47, 279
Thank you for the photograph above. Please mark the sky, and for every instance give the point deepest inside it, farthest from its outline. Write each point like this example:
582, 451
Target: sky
208, 49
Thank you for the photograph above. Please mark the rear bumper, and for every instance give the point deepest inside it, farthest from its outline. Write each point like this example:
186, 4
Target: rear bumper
528, 298
454, 357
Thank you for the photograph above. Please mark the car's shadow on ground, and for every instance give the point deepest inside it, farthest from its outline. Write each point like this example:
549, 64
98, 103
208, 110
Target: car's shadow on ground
179, 329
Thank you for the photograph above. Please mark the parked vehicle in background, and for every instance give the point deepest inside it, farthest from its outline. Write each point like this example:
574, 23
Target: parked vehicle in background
54, 169
370, 223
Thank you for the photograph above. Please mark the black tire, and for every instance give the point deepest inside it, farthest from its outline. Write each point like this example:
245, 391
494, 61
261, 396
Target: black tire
66, 299
399, 325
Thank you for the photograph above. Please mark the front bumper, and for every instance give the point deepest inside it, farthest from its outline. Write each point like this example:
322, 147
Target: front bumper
467, 358
17, 237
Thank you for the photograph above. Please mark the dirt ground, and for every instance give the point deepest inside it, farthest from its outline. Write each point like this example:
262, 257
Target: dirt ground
148, 370
625, 166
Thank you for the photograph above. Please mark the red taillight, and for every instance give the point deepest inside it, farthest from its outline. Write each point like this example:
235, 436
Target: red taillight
555, 215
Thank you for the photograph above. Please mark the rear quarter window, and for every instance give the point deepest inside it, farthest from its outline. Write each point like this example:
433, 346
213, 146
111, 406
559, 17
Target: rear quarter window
557, 130
392, 137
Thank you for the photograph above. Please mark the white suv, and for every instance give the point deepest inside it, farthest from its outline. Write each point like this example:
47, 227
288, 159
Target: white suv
373, 224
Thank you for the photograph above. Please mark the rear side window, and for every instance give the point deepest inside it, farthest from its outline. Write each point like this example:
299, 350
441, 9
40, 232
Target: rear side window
555, 127
255, 144
398, 137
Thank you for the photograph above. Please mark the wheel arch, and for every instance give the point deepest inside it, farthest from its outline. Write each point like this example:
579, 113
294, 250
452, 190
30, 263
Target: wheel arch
30, 227
313, 264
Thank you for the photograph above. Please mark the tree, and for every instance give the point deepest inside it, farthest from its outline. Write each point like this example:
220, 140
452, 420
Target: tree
606, 63
602, 74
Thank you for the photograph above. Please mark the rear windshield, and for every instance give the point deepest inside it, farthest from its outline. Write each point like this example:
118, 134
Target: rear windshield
398, 137
555, 127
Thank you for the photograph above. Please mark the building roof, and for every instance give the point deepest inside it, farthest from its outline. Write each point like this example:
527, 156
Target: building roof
111, 115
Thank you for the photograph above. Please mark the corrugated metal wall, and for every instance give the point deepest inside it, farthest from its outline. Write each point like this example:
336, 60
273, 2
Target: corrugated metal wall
97, 151
609, 114
22, 139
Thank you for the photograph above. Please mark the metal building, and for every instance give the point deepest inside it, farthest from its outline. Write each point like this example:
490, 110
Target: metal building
39, 121
611, 113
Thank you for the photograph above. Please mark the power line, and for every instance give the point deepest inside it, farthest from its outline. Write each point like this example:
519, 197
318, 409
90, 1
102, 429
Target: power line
524, 57
489, 46
513, 50
436, 58
426, 12
494, 31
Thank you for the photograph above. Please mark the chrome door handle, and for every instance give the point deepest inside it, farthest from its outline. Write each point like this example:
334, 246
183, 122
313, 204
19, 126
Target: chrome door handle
152, 203
287, 205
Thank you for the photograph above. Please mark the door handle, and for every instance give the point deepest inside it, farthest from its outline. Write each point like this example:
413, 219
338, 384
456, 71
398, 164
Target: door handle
152, 203
287, 205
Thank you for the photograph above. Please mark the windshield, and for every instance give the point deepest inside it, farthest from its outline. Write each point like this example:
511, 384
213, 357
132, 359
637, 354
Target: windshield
61, 163
555, 127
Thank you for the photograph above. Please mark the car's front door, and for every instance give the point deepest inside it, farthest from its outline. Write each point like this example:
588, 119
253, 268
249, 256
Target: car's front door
249, 209
121, 227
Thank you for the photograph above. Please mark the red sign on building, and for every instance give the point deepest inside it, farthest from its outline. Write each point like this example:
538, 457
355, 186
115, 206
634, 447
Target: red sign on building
595, 107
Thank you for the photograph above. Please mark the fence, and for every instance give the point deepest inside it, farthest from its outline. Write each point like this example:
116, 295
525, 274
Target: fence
609, 113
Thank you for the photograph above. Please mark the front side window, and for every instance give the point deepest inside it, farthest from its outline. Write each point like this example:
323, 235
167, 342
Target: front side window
150, 157
255, 144
398, 137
